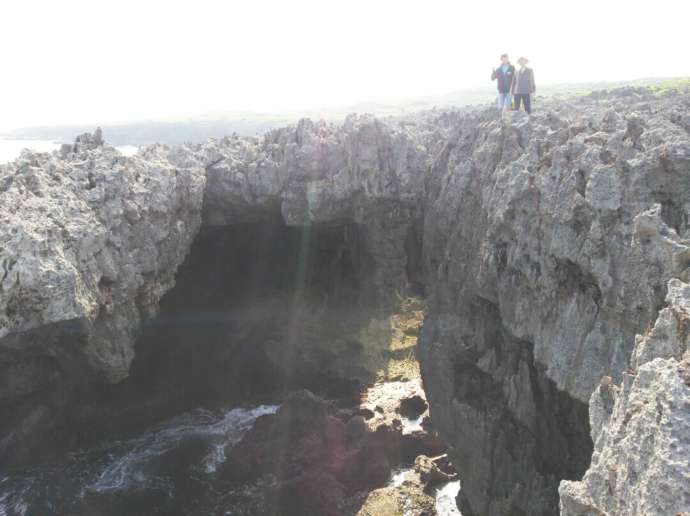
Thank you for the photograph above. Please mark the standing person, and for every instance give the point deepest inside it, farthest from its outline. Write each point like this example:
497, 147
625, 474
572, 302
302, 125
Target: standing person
523, 85
503, 75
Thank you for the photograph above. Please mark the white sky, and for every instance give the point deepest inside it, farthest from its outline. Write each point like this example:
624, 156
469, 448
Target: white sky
74, 61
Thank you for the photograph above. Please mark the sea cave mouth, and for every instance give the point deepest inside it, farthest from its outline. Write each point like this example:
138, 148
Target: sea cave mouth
263, 315
259, 309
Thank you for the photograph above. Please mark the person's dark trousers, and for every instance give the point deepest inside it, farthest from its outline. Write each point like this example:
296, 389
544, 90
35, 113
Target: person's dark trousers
525, 98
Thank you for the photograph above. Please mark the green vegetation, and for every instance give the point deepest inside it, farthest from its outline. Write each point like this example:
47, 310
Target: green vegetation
678, 85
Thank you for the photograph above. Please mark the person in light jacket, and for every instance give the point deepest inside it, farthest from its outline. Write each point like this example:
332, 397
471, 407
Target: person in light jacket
503, 75
523, 87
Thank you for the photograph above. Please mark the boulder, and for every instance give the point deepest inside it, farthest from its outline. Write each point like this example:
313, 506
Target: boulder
430, 473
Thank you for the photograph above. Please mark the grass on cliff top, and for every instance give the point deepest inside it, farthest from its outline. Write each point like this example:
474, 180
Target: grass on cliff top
678, 85
656, 86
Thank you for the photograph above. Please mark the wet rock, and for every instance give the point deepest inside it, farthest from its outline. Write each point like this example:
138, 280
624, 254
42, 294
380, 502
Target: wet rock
301, 433
345, 391
354, 347
367, 468
443, 463
389, 439
421, 443
430, 473
314, 493
365, 413
407, 498
303, 410
304, 436
355, 429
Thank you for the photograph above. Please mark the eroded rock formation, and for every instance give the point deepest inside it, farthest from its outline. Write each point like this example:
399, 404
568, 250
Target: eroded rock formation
545, 245
548, 245
89, 242
641, 427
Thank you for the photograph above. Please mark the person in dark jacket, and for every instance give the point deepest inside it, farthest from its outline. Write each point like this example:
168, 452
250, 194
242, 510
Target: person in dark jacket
503, 75
523, 87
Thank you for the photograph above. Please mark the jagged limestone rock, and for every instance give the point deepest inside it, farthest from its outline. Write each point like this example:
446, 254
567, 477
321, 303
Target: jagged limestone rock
92, 237
545, 244
548, 243
363, 171
89, 242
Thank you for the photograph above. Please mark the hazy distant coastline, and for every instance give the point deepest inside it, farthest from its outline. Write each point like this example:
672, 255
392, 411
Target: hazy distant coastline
10, 149
214, 125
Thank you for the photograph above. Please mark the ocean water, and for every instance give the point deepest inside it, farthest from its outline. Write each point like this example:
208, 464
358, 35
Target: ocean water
155, 468
10, 149
444, 494
445, 499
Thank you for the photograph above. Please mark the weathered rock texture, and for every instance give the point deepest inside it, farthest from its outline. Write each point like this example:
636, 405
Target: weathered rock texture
545, 244
641, 428
364, 172
89, 242
548, 243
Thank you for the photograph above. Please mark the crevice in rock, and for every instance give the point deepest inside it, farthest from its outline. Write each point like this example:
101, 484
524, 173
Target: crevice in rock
415, 263
673, 215
574, 278
530, 430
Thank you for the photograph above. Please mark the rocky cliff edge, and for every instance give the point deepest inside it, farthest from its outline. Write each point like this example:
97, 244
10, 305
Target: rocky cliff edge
546, 244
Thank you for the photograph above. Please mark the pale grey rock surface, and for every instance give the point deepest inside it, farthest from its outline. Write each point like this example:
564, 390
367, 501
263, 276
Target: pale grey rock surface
314, 171
364, 171
95, 237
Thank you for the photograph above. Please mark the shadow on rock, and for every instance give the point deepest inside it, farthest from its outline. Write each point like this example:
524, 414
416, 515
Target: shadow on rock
318, 455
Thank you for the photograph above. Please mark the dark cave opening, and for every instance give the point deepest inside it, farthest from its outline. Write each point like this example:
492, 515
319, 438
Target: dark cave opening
263, 309
258, 309
234, 327
532, 429
259, 312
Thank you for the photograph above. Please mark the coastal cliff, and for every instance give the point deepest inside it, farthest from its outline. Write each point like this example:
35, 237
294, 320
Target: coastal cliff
554, 252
